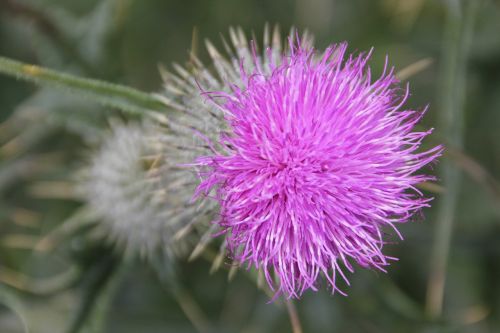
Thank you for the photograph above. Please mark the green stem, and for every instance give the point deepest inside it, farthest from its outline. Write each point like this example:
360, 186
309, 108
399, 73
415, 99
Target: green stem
294, 317
458, 34
108, 94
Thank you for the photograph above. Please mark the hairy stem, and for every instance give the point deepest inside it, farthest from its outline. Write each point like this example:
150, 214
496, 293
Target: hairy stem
108, 94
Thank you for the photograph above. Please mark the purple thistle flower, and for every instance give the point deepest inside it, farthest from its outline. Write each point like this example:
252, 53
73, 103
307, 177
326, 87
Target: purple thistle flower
315, 160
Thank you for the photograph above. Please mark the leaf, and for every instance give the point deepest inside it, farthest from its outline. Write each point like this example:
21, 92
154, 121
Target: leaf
10, 300
100, 288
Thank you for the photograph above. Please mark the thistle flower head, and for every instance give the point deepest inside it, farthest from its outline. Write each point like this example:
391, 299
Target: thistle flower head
316, 157
122, 190
194, 127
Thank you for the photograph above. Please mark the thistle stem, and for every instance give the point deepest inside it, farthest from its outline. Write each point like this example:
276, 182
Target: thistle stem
458, 33
294, 317
108, 94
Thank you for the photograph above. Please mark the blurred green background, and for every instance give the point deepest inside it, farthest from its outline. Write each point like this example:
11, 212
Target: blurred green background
46, 135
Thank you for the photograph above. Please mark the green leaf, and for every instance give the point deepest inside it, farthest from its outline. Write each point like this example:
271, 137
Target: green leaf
11, 301
101, 285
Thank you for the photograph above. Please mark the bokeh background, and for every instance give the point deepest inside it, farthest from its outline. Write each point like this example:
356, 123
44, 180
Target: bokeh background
453, 50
